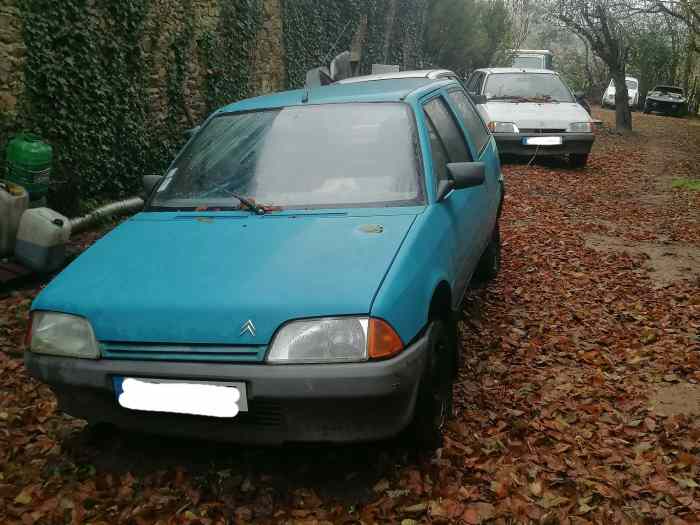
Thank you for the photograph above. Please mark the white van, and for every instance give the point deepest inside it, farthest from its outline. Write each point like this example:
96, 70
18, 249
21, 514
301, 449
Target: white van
532, 59
632, 91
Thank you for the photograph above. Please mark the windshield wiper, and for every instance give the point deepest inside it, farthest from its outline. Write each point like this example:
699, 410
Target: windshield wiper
510, 97
245, 201
543, 98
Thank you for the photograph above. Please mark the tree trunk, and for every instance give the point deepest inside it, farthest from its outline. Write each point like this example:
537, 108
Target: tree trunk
390, 22
689, 56
623, 115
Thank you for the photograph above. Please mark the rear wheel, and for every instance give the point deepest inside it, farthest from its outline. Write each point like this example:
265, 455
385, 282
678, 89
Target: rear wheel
578, 160
434, 403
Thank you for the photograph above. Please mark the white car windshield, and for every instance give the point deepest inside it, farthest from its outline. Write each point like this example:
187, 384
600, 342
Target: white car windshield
330, 155
527, 87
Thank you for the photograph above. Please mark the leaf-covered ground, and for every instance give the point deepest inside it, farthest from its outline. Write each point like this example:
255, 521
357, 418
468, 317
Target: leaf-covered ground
579, 400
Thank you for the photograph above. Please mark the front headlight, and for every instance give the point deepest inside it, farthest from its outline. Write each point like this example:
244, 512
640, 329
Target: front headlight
64, 335
579, 127
334, 340
503, 127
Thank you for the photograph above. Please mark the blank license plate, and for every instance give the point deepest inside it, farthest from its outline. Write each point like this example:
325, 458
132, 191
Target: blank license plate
542, 141
200, 398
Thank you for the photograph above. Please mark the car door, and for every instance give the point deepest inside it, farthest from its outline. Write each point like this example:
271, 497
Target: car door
482, 149
462, 207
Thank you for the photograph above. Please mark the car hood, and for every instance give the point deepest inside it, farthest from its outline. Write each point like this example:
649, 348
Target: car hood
531, 115
188, 278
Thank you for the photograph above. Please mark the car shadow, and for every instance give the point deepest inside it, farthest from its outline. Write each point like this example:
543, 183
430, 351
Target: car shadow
559, 162
344, 473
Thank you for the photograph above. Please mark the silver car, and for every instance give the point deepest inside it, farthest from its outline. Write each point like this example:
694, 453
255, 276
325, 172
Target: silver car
532, 112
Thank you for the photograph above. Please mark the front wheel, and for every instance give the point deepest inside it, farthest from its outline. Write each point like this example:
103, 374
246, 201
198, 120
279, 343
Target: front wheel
434, 402
490, 263
578, 160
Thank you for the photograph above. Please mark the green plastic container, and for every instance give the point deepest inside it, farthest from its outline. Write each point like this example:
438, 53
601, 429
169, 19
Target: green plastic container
29, 164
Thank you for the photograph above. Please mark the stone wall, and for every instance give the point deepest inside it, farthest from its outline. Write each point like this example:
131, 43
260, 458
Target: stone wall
12, 56
167, 25
268, 57
170, 26
149, 69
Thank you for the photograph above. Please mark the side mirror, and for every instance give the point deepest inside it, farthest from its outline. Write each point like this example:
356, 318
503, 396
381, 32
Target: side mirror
579, 95
466, 174
462, 175
341, 66
149, 184
189, 133
477, 99
317, 77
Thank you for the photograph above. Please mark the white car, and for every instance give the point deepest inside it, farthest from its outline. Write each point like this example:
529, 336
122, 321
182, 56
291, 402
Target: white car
532, 112
608, 100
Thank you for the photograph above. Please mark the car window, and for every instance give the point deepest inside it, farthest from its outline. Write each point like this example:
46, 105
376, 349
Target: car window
471, 82
439, 154
528, 62
472, 122
446, 127
478, 82
326, 155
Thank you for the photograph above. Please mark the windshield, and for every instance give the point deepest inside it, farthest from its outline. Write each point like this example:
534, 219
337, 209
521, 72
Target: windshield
528, 62
331, 155
669, 89
527, 87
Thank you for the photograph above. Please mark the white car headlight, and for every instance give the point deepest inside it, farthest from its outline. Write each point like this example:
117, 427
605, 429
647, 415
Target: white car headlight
503, 127
64, 335
334, 340
580, 127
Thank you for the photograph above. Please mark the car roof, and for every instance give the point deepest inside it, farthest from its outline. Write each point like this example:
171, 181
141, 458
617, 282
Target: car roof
418, 73
495, 70
531, 52
666, 86
380, 90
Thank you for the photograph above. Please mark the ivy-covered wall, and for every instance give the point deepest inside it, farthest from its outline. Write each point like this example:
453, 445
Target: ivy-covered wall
314, 32
112, 85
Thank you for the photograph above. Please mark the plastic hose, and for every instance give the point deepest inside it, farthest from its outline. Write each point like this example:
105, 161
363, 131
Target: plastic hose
131, 205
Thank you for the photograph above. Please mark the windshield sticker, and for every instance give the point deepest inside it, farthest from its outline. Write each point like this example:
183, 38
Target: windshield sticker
371, 228
168, 179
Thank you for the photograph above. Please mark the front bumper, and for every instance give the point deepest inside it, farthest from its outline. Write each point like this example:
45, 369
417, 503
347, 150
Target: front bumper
286, 403
512, 144
662, 106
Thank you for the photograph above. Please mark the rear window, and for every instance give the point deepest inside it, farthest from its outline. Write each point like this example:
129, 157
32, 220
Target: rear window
528, 62
332, 155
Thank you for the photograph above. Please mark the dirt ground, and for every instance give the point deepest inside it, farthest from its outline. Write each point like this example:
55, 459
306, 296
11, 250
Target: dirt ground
578, 402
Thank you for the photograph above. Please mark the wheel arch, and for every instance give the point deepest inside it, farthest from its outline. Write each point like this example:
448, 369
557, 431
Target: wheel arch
441, 309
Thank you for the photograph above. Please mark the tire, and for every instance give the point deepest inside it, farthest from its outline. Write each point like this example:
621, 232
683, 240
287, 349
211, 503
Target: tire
434, 402
578, 160
490, 263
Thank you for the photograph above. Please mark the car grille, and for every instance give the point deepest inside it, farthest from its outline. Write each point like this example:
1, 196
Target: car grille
179, 352
542, 130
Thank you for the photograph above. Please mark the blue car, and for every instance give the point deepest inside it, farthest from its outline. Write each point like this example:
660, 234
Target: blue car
296, 275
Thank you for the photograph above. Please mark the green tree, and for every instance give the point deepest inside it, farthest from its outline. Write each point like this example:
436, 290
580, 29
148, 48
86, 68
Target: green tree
462, 35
